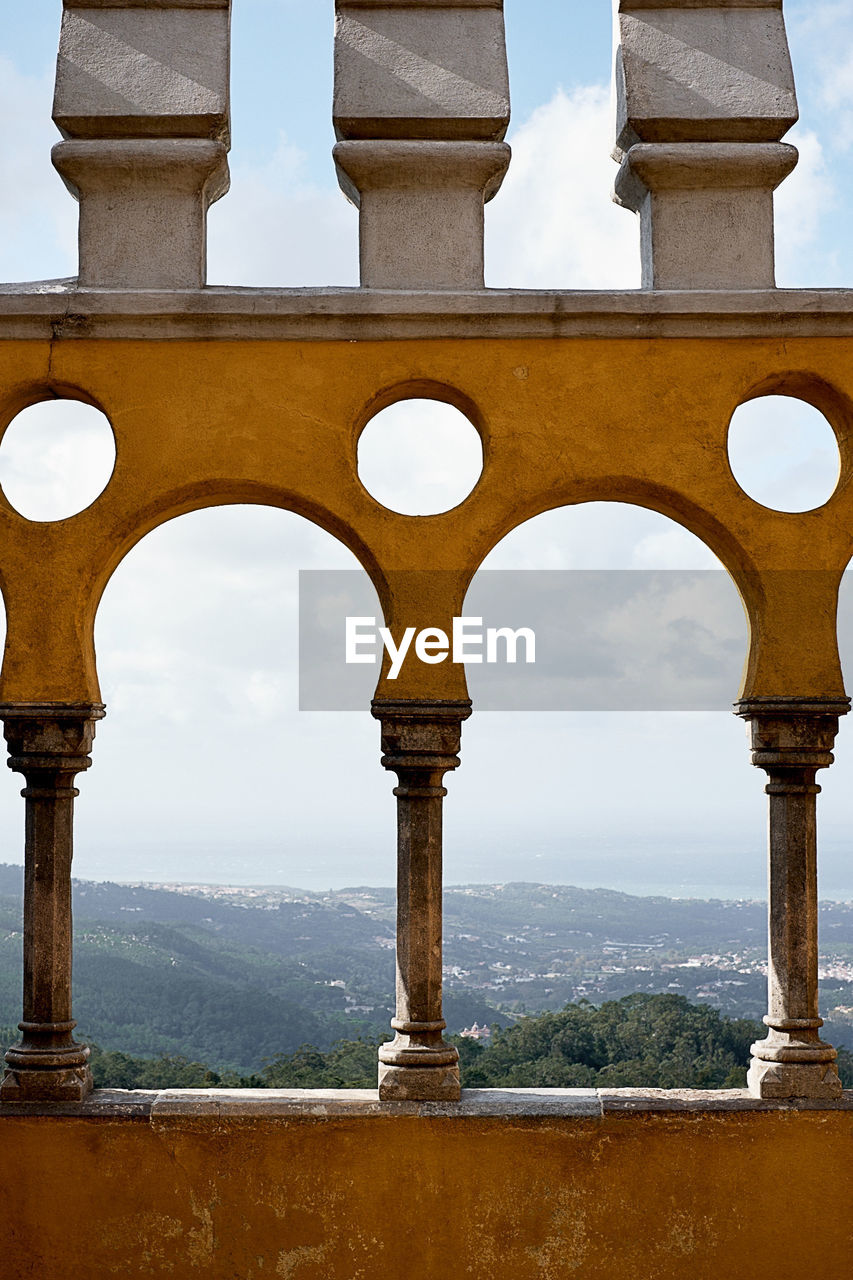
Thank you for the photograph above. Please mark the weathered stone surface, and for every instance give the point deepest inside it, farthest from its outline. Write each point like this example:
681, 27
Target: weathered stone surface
143, 207
419, 744
142, 99
421, 209
702, 72
421, 71
704, 92
706, 211
659, 1195
148, 4
791, 739
143, 70
49, 745
58, 310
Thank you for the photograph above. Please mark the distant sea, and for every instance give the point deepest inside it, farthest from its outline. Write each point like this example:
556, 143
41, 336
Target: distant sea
678, 869
219, 869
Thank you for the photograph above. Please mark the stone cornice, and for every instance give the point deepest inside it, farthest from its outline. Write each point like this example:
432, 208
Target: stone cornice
57, 310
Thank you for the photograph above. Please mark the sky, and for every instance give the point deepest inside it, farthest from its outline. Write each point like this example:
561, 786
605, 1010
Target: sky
205, 769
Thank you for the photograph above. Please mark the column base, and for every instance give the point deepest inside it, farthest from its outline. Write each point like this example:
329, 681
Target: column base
46, 1086
706, 211
46, 1075
72, 1084
421, 208
418, 1072
143, 208
804, 1070
419, 1084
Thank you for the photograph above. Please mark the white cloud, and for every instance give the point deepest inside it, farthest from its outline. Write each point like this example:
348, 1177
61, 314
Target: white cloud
821, 31
420, 457
784, 453
277, 227
197, 633
56, 457
802, 202
553, 224
601, 535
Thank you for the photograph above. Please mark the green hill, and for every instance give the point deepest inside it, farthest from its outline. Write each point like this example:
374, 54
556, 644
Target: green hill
232, 977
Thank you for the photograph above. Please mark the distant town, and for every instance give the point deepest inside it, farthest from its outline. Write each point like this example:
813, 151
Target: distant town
233, 976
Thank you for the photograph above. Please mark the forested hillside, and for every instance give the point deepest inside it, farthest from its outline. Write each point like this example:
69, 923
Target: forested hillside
234, 977
639, 1041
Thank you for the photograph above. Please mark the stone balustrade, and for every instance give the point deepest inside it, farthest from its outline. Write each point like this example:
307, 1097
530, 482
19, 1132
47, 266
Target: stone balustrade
704, 93
421, 104
142, 102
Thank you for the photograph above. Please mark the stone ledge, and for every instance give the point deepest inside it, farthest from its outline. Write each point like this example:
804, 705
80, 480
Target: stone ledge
58, 310
329, 1104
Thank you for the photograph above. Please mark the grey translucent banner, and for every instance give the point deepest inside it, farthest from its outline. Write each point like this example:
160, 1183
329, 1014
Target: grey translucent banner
609, 640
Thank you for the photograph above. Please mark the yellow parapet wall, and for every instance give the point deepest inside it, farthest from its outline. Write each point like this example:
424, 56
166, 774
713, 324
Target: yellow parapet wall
507, 1186
563, 420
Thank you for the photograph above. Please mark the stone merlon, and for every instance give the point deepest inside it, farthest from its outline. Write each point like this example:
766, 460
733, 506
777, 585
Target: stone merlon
144, 69
702, 72
436, 71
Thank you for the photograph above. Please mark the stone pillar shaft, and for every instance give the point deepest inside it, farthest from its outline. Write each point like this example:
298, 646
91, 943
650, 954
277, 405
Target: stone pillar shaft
792, 957
419, 741
791, 740
50, 746
704, 93
421, 106
142, 101
47, 898
419, 887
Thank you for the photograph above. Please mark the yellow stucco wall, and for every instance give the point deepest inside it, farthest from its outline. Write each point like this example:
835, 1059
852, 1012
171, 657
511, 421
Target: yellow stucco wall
563, 420
630, 1195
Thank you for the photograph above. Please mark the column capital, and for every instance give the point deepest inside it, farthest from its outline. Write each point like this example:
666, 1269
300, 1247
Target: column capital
792, 733
44, 735
421, 735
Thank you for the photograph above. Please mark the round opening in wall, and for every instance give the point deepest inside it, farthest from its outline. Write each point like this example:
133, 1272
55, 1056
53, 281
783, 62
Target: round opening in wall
783, 453
420, 457
56, 458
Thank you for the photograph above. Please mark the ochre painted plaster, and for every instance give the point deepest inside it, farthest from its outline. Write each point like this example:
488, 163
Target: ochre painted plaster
695, 1196
563, 421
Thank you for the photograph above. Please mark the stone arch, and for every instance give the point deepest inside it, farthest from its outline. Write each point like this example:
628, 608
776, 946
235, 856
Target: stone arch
546, 755
36, 391
226, 493
175, 505
702, 524
69, 670
247, 727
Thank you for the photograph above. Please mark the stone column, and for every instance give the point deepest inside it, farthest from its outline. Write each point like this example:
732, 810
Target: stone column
142, 101
791, 740
49, 745
421, 108
420, 741
704, 93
